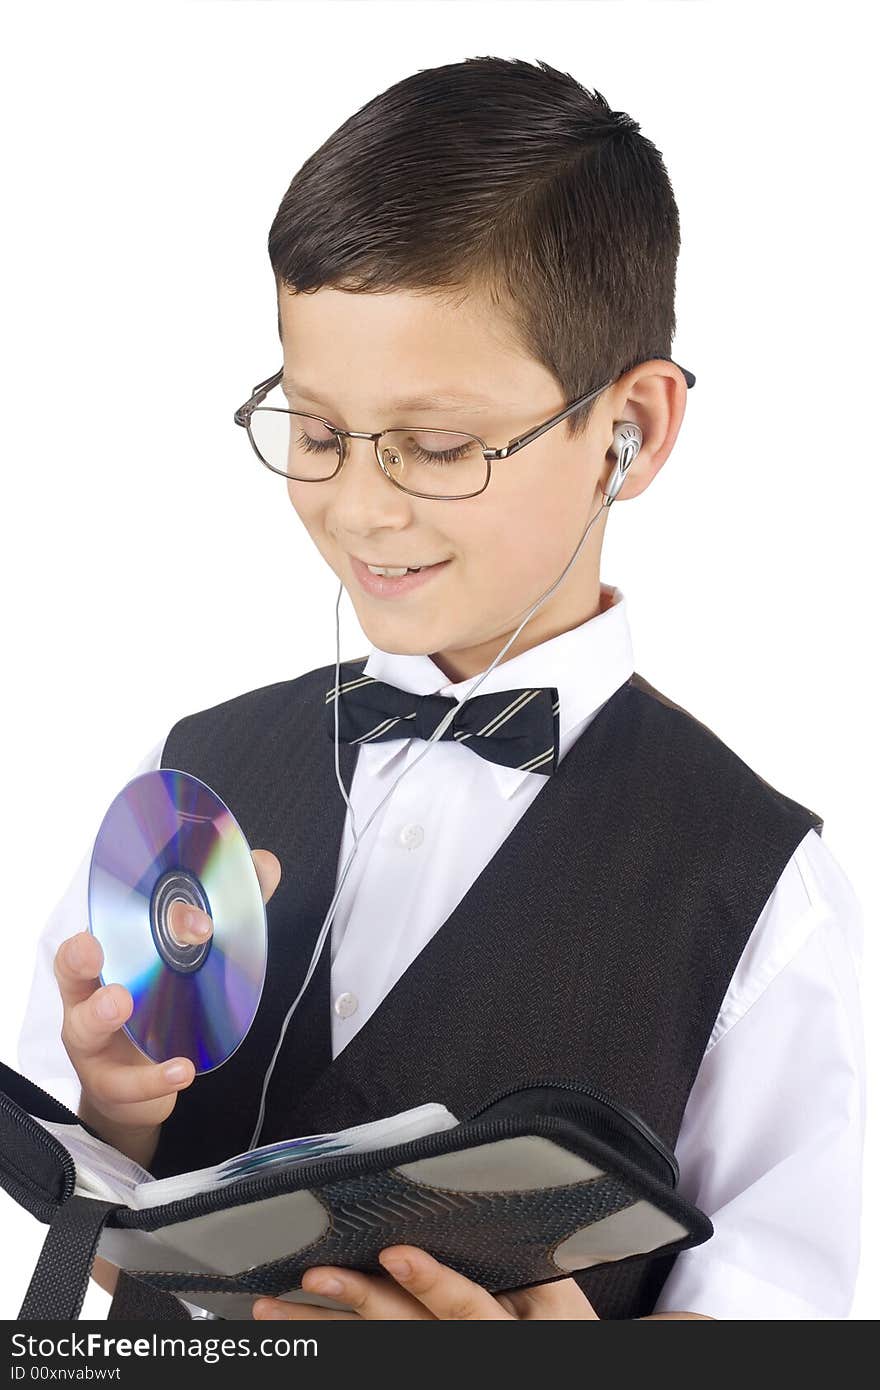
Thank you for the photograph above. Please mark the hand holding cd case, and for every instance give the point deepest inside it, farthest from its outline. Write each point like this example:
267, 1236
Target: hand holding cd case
544, 1180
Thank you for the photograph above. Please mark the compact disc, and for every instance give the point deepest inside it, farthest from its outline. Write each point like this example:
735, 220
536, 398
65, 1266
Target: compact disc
167, 836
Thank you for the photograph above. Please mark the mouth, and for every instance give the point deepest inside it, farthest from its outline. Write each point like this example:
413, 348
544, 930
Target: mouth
393, 586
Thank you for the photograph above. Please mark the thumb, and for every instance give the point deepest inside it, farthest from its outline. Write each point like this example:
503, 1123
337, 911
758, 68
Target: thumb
268, 868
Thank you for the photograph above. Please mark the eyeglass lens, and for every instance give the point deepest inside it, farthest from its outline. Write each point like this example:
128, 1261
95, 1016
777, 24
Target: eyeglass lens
439, 463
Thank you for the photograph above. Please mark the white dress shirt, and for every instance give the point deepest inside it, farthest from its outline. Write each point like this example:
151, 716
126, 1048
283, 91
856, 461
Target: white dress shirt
770, 1145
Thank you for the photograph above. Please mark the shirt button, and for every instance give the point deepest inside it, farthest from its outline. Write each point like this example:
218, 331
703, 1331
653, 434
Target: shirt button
411, 836
346, 1004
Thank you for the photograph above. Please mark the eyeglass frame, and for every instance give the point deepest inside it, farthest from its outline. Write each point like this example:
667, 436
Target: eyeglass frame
244, 412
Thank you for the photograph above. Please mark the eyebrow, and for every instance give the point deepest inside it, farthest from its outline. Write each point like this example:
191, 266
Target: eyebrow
438, 401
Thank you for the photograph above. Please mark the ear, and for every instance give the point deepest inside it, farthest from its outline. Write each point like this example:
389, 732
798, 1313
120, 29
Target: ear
654, 397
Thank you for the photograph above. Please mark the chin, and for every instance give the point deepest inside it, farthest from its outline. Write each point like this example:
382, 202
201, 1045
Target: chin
397, 646
392, 637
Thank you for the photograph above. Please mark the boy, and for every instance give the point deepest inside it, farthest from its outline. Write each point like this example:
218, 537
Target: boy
473, 251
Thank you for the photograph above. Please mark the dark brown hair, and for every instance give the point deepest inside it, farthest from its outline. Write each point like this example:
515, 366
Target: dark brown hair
507, 178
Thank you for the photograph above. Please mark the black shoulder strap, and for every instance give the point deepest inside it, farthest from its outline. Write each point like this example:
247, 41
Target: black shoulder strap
61, 1276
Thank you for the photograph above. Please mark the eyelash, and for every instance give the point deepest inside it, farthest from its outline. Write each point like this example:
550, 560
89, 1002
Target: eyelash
316, 446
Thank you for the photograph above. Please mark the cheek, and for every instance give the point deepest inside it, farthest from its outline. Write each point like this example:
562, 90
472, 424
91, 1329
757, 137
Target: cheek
516, 531
537, 519
311, 511
302, 499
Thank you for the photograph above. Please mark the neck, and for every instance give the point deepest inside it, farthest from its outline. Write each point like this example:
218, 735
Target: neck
458, 664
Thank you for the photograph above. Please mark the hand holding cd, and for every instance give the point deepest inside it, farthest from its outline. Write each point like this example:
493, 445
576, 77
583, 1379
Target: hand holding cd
167, 839
120, 1084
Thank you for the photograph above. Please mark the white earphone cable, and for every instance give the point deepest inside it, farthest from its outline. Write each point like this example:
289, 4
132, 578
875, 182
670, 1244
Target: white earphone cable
623, 464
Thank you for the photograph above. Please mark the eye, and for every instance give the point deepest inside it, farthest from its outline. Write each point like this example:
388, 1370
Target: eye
443, 456
316, 446
436, 448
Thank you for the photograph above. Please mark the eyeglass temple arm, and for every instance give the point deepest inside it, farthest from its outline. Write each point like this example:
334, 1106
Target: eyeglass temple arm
263, 388
523, 439
260, 391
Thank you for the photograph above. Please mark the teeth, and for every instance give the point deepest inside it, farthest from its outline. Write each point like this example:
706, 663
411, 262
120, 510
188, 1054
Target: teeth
395, 573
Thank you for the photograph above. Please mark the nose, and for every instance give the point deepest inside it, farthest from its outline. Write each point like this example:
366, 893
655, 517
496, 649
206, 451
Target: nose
364, 497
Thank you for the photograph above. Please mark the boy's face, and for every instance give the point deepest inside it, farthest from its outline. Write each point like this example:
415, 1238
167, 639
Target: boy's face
354, 355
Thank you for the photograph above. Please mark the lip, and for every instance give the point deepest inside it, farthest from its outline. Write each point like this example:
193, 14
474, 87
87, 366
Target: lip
384, 586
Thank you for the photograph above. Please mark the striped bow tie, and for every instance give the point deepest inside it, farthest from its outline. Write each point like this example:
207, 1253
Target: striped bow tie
518, 728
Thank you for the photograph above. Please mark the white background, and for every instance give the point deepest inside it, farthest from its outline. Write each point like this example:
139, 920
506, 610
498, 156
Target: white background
152, 568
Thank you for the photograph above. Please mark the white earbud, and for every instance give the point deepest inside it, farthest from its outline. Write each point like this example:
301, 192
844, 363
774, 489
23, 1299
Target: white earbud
625, 444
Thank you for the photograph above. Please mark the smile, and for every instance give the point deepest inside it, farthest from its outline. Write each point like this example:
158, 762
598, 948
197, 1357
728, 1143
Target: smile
392, 586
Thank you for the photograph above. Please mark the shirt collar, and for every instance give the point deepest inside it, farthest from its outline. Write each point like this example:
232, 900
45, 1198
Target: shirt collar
586, 664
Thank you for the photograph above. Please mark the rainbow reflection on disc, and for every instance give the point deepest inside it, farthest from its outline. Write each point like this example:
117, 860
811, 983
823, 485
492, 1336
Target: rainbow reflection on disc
168, 836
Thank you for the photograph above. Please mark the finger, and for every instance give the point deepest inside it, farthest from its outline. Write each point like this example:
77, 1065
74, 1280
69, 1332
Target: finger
559, 1299
77, 965
268, 867
271, 1309
445, 1293
89, 1025
120, 1084
371, 1296
189, 924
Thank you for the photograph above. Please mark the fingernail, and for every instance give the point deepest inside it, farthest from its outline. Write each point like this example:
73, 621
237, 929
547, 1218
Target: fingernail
105, 1005
328, 1284
196, 923
176, 1071
261, 1308
75, 954
400, 1268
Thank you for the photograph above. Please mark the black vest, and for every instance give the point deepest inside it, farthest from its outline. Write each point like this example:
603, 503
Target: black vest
597, 944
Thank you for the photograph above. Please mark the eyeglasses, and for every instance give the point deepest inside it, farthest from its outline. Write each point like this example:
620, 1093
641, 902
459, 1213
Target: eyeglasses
445, 465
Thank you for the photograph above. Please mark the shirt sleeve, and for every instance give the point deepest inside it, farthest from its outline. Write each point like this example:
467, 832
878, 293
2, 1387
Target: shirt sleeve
41, 1053
771, 1141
